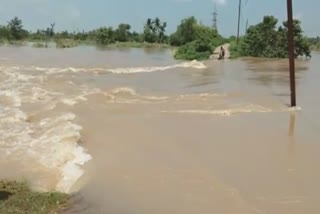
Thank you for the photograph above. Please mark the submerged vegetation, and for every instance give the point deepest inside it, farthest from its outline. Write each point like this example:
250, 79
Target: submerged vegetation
17, 198
66, 43
40, 45
315, 43
266, 40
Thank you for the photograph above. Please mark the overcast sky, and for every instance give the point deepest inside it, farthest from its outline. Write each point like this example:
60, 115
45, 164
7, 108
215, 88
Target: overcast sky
90, 14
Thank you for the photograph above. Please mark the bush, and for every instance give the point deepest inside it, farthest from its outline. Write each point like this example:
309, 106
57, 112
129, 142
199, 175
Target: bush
66, 43
39, 45
235, 50
17, 42
105, 36
198, 49
196, 41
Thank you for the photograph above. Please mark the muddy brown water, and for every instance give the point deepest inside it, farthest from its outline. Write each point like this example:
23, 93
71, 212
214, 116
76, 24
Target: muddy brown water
134, 131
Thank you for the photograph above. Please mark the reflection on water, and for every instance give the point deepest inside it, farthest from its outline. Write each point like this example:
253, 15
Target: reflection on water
292, 124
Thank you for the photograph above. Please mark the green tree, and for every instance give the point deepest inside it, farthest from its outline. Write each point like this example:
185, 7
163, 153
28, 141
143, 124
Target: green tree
122, 34
195, 40
149, 31
63, 35
136, 37
185, 32
154, 31
50, 30
162, 29
4, 33
159, 30
105, 36
261, 38
16, 29
302, 44
266, 40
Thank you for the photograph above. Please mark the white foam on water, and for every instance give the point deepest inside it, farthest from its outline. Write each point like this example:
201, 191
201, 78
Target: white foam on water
75, 100
56, 70
10, 88
11, 96
124, 90
52, 142
225, 112
70, 102
58, 149
252, 108
80, 98
126, 95
41, 95
193, 64
201, 96
293, 109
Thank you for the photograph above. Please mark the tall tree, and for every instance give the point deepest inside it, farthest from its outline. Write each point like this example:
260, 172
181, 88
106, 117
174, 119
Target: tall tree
16, 29
185, 32
154, 30
122, 34
105, 36
149, 32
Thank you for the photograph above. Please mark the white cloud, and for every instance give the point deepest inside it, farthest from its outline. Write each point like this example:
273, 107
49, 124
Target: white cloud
221, 2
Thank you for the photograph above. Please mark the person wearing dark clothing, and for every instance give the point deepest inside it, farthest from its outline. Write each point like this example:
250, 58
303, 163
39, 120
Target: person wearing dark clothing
222, 53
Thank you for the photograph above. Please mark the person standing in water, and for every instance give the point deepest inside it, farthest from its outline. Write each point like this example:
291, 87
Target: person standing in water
222, 53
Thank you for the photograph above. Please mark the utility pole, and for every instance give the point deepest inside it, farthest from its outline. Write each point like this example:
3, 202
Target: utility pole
215, 18
291, 54
239, 14
247, 24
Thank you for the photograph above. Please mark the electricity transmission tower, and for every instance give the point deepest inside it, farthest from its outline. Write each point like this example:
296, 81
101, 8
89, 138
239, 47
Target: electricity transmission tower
215, 18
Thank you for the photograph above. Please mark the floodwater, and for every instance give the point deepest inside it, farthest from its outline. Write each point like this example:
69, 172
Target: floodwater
132, 131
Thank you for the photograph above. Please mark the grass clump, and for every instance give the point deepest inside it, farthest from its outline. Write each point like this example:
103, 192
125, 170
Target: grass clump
315, 47
18, 198
17, 42
66, 43
39, 45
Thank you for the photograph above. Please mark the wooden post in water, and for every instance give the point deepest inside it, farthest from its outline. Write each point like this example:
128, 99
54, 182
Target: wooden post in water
291, 54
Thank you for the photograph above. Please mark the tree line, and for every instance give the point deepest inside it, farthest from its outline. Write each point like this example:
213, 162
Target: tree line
193, 39
154, 32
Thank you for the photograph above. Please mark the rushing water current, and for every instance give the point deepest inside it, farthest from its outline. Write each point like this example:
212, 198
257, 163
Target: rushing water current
132, 131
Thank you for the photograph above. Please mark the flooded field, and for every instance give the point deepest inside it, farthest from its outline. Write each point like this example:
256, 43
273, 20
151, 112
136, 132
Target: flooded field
134, 131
